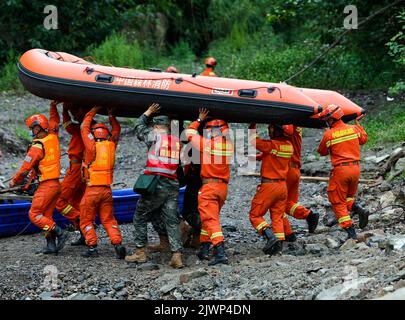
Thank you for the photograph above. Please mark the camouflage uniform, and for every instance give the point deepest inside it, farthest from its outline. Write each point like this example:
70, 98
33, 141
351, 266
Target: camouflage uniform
160, 208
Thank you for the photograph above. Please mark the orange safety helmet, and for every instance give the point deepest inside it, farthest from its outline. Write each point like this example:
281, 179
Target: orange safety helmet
217, 123
172, 69
37, 120
288, 130
331, 111
211, 62
100, 131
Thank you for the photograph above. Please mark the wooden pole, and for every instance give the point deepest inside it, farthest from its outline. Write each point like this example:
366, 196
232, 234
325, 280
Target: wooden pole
312, 179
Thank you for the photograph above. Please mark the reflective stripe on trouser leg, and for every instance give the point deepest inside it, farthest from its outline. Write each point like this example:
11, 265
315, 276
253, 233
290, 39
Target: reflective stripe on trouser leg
204, 237
349, 203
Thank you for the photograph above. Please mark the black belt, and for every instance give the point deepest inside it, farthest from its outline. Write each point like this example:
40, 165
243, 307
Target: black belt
348, 163
265, 180
213, 180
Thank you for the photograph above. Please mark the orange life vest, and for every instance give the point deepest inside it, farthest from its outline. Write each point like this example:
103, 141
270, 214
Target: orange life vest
163, 156
100, 171
49, 166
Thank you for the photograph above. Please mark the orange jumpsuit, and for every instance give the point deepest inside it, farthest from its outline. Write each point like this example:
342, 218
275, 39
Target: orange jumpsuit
98, 196
208, 72
343, 142
215, 156
271, 194
43, 156
73, 186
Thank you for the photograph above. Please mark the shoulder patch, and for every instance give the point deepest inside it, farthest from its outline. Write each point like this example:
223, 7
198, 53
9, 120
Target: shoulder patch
28, 159
90, 136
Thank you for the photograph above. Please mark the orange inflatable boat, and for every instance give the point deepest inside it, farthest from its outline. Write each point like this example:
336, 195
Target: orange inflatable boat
64, 77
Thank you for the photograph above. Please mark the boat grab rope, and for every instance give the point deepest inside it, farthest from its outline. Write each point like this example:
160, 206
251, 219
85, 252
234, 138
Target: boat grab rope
270, 89
339, 38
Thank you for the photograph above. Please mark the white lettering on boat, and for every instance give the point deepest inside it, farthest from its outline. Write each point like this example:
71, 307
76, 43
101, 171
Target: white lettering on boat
144, 83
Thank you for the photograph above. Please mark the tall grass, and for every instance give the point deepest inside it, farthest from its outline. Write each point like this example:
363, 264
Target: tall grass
117, 51
9, 75
387, 126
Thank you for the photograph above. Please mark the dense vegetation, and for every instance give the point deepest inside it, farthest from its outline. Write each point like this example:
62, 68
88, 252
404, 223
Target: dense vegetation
251, 39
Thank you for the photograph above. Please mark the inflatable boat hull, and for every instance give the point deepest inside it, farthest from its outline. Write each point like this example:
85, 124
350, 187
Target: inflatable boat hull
64, 77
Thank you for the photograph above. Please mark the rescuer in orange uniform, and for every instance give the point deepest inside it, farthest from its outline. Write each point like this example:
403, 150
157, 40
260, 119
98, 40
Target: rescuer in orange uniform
342, 142
271, 194
98, 168
73, 185
216, 152
210, 64
294, 209
43, 156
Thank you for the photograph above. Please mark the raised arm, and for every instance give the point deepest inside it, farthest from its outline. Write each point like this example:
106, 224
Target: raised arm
363, 137
115, 126
54, 119
143, 126
192, 131
323, 149
70, 127
87, 136
260, 144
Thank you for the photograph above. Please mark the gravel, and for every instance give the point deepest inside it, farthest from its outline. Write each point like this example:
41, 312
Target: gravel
314, 267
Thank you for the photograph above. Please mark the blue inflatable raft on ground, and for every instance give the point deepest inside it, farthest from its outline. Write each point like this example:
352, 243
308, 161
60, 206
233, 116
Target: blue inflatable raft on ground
14, 216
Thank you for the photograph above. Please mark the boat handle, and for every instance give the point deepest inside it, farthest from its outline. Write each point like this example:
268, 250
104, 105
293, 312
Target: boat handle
247, 93
104, 78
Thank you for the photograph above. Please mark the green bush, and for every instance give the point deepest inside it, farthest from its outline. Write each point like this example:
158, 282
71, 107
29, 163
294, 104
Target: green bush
117, 51
378, 130
9, 80
181, 56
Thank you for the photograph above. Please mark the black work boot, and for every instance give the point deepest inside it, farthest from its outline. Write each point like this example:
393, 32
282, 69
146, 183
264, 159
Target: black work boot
291, 237
81, 241
272, 240
219, 255
120, 251
363, 214
312, 221
91, 252
351, 233
61, 236
50, 244
204, 252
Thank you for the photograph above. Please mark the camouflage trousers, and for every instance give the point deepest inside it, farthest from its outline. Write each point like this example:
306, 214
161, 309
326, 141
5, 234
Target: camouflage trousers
161, 209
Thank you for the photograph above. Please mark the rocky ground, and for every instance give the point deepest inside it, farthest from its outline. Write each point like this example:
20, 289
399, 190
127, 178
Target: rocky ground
320, 266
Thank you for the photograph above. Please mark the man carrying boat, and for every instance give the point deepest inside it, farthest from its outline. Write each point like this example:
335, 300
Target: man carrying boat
342, 142
216, 152
98, 168
43, 156
294, 209
159, 206
73, 186
271, 194
210, 64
